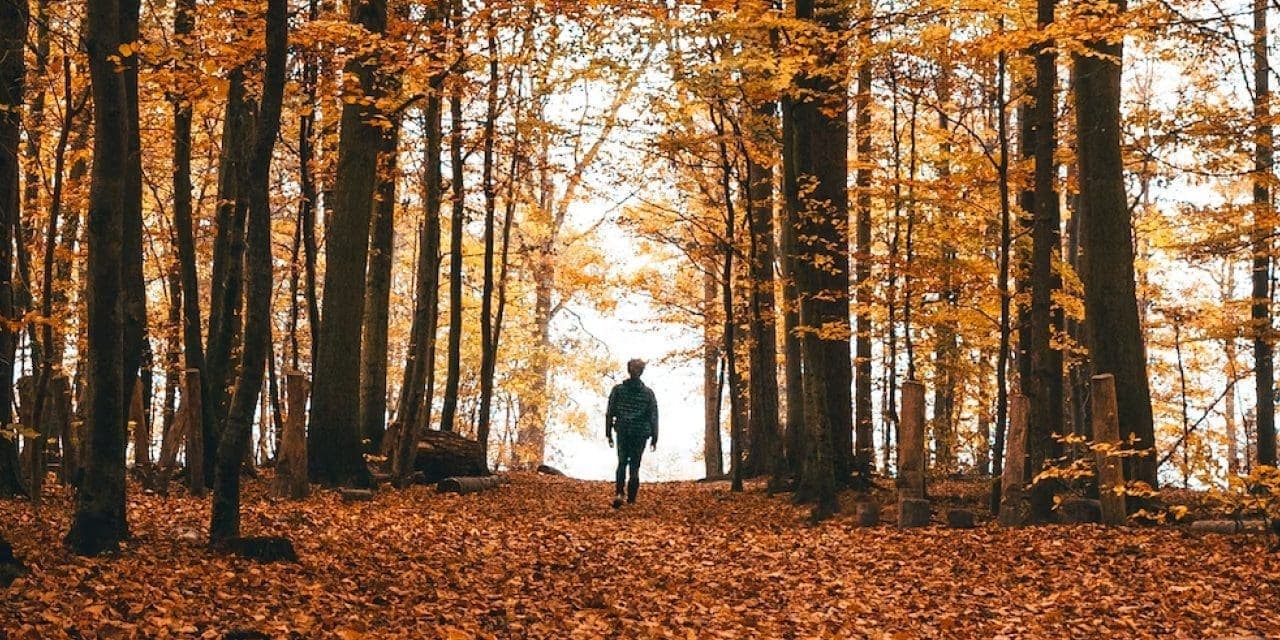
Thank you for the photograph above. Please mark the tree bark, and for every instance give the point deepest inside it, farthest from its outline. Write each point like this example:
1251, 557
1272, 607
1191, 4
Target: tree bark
864, 434
453, 371
13, 31
787, 260
712, 451
1111, 304
766, 446
99, 523
1261, 238
224, 523
334, 445
373, 353
821, 157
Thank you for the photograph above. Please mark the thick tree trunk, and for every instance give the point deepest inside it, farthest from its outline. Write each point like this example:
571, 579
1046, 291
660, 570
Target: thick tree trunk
224, 523
334, 438
821, 157
99, 523
13, 31
1110, 296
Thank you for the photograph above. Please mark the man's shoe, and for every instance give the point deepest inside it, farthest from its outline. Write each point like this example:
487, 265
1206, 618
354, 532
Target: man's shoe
617, 501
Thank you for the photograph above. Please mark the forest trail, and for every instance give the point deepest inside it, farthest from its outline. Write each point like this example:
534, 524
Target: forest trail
546, 557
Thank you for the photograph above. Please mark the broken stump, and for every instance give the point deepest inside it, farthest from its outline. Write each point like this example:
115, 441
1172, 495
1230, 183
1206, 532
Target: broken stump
912, 513
960, 519
867, 514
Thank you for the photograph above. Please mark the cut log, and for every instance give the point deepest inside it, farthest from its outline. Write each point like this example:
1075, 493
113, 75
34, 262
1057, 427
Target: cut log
867, 514
911, 447
1015, 463
1228, 526
469, 484
960, 519
356, 495
263, 548
1079, 511
913, 512
444, 454
549, 470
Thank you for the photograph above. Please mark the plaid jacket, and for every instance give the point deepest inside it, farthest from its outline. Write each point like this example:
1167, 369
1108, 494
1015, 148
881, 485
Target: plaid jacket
633, 411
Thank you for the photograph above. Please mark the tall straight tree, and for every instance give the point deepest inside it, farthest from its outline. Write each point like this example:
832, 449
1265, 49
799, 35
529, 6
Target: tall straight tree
788, 256
863, 287
137, 350
99, 523
334, 445
14, 16
822, 264
256, 348
373, 351
766, 446
453, 371
1263, 244
1110, 293
1044, 387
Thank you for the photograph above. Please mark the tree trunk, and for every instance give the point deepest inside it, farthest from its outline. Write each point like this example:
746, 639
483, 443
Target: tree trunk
1111, 305
1261, 237
99, 522
1044, 389
137, 349
373, 353
766, 446
13, 34
821, 157
789, 257
334, 438
712, 453
488, 332
224, 521
864, 434
454, 371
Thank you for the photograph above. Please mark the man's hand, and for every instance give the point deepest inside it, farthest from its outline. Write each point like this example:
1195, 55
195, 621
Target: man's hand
610, 442
653, 445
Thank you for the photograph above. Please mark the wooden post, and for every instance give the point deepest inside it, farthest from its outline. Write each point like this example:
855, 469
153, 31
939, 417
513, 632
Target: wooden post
911, 443
60, 396
1014, 480
141, 428
1106, 430
194, 419
291, 462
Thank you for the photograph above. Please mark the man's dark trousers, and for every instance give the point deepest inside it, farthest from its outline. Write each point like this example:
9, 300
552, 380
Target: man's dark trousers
630, 449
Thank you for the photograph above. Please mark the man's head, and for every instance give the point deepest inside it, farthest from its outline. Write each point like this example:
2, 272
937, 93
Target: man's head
635, 367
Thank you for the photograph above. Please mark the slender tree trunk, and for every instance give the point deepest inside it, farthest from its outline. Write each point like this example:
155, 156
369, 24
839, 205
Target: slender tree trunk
488, 342
788, 259
334, 445
307, 185
864, 434
1045, 389
224, 523
137, 348
1110, 295
1006, 247
1261, 236
99, 523
459, 220
373, 353
712, 452
13, 31
1229, 409
414, 398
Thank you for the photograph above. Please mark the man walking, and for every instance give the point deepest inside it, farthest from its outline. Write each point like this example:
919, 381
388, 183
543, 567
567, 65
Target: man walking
633, 411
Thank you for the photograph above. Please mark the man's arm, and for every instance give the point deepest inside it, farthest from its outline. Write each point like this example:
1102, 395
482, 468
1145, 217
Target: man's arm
653, 418
609, 414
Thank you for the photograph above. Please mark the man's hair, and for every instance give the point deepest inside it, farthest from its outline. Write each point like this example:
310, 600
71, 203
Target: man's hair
635, 367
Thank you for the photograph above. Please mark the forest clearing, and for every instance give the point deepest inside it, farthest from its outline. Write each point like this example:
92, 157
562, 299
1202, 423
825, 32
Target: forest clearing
545, 557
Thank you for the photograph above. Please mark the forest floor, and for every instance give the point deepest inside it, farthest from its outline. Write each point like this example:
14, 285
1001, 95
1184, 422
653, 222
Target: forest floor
546, 557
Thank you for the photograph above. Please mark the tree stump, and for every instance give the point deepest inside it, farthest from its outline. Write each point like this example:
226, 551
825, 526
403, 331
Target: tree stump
469, 484
912, 513
911, 444
1014, 478
960, 519
1106, 430
291, 467
867, 514
444, 454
